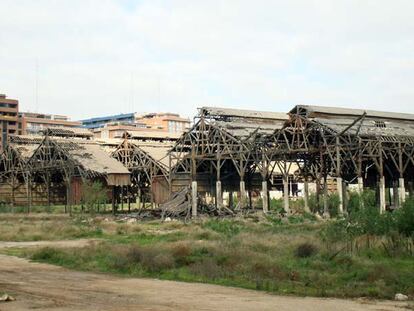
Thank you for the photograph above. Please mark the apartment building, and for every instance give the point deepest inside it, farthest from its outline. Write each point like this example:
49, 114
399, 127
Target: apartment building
166, 121
9, 119
98, 122
163, 122
33, 123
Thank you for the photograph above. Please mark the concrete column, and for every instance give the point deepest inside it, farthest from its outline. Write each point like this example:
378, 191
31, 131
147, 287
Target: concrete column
360, 185
395, 194
306, 195
122, 198
382, 194
113, 200
340, 194
138, 199
242, 194
401, 190
219, 194
194, 199
265, 197
286, 194
325, 198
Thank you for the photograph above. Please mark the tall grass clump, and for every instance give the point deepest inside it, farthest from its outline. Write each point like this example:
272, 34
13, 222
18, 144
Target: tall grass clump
93, 195
365, 228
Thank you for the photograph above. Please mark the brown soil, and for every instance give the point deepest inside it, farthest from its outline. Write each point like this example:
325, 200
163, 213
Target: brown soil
47, 287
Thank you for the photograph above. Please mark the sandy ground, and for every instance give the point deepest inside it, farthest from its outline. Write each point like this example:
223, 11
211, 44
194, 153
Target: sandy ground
46, 287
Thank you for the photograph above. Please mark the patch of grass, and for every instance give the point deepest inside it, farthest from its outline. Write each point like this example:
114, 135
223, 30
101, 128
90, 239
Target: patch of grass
303, 257
227, 228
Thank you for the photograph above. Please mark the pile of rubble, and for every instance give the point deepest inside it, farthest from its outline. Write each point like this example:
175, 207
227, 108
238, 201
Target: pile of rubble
180, 204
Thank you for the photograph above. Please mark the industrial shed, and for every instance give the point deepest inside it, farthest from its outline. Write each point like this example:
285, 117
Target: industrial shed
147, 159
371, 148
222, 152
50, 170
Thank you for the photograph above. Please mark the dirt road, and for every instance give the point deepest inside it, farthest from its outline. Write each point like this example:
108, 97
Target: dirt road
47, 287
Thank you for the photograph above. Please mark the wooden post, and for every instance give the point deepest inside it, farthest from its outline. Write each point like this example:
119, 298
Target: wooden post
360, 185
286, 193
68, 196
338, 177
29, 195
48, 189
306, 195
129, 198
13, 194
138, 202
122, 198
382, 201
382, 194
401, 190
395, 194
345, 196
265, 197
242, 194
219, 194
194, 199
230, 199
340, 190
325, 198
113, 200
401, 185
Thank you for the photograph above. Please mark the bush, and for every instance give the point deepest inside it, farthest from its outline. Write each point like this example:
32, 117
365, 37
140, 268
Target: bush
181, 253
404, 218
93, 194
277, 205
333, 204
45, 254
305, 250
314, 204
317, 207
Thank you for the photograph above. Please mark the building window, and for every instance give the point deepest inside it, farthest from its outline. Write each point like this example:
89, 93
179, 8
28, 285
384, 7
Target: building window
380, 124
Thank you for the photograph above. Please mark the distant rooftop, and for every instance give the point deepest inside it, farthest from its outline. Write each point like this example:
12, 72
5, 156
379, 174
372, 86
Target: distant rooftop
100, 121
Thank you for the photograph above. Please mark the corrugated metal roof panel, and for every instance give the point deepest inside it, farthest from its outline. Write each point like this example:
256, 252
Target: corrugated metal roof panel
242, 113
314, 111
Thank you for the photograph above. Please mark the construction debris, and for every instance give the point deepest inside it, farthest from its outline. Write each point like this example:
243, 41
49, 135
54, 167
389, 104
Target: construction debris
6, 298
401, 297
179, 206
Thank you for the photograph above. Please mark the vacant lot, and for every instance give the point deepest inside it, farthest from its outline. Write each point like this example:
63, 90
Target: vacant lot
46, 287
295, 256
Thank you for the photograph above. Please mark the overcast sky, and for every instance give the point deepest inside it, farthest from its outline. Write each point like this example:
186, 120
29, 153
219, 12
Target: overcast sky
100, 57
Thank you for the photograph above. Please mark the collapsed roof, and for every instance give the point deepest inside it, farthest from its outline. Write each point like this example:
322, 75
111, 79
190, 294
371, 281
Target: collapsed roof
85, 155
243, 123
365, 123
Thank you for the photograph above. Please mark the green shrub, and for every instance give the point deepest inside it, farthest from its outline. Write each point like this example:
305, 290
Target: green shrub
277, 205
93, 194
404, 218
333, 204
354, 202
305, 250
314, 205
46, 253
